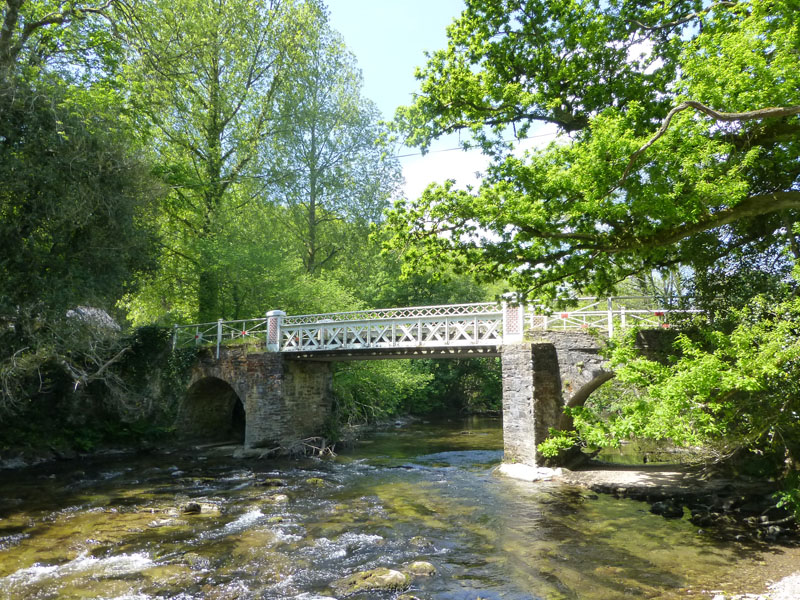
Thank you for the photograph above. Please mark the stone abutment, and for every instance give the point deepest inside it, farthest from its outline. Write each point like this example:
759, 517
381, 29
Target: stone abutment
283, 400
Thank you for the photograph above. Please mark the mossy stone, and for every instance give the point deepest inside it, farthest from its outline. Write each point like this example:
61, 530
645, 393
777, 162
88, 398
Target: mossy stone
421, 567
381, 579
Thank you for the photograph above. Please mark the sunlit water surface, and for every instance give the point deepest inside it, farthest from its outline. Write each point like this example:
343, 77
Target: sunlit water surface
288, 529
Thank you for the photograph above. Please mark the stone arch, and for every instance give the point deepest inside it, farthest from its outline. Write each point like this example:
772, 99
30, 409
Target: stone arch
581, 395
212, 411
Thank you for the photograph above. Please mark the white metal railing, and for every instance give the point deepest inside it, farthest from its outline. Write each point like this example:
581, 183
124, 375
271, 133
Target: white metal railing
607, 314
411, 312
407, 332
480, 324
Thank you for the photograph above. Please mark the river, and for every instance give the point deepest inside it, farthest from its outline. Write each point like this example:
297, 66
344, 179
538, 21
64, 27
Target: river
278, 529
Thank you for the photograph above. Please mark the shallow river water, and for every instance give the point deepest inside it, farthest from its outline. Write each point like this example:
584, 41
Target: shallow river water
288, 529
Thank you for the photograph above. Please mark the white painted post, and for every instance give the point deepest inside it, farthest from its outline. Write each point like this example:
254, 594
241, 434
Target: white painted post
610, 318
274, 321
174, 336
513, 322
219, 335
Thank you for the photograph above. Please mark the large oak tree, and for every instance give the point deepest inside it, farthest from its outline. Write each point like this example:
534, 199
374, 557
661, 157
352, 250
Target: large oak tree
681, 138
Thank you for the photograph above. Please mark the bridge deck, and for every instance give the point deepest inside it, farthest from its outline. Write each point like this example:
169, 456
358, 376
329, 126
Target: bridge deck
352, 354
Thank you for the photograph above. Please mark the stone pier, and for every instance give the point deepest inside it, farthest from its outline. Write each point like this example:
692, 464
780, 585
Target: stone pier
540, 378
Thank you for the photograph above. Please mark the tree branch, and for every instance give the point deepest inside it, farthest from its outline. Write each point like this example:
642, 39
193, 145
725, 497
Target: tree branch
685, 19
752, 115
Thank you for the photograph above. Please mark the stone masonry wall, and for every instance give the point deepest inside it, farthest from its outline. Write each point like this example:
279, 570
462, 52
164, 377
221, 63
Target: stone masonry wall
308, 396
580, 365
532, 401
283, 400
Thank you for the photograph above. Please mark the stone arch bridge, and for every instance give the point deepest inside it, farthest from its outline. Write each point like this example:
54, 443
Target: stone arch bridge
269, 379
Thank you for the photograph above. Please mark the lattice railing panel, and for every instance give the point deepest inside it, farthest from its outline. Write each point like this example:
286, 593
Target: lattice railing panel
412, 312
393, 333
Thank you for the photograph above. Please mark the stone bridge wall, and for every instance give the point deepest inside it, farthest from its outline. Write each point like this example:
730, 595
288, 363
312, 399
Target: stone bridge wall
283, 400
540, 378
286, 400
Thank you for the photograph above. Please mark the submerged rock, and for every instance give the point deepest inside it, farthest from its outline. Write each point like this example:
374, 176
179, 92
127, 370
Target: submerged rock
381, 579
669, 509
272, 482
277, 499
421, 567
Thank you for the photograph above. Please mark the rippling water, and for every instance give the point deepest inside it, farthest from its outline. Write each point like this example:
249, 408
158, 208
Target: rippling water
279, 529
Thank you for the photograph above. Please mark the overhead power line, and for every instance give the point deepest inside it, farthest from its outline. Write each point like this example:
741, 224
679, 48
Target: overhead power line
530, 137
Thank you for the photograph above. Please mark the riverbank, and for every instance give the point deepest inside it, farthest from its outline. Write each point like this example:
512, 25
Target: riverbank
734, 508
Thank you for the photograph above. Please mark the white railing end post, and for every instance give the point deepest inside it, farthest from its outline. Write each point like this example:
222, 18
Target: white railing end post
274, 322
513, 321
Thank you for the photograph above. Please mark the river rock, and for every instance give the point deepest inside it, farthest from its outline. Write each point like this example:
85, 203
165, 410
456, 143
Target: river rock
420, 542
421, 567
166, 523
669, 509
193, 508
198, 508
381, 579
277, 499
272, 482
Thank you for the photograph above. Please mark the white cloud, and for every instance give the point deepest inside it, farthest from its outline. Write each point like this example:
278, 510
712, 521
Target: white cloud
446, 161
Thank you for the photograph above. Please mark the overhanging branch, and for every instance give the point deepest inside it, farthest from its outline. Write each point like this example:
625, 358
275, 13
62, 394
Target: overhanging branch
772, 112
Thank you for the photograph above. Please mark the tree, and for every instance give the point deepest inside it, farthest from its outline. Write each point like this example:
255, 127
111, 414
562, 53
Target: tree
681, 153
37, 34
72, 196
327, 161
205, 74
684, 139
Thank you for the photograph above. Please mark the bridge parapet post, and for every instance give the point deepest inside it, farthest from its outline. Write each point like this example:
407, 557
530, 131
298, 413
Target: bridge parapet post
274, 322
513, 322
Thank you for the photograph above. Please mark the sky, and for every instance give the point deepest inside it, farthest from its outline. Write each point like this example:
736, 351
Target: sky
389, 39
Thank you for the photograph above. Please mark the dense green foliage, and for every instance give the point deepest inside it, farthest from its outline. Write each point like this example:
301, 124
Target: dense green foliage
678, 164
684, 139
165, 162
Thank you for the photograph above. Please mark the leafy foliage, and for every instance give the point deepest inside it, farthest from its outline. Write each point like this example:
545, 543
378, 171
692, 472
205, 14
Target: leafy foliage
71, 195
203, 78
638, 186
327, 162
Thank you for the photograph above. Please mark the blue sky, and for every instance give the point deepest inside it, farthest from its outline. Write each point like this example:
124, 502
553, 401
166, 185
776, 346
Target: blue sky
389, 39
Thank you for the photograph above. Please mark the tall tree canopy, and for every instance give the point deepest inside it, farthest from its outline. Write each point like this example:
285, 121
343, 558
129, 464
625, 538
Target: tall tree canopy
326, 160
204, 75
684, 138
